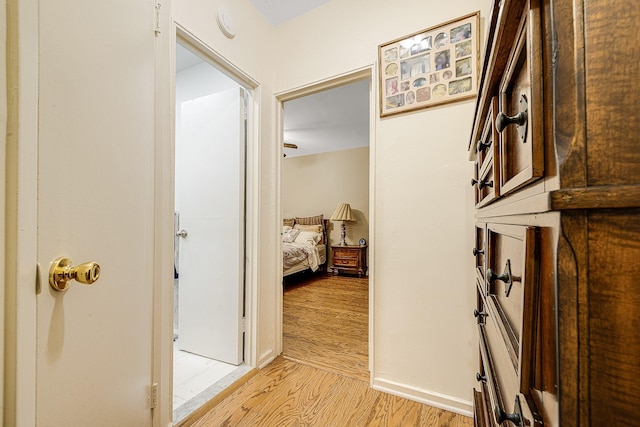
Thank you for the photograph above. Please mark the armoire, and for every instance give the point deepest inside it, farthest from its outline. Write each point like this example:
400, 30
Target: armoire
556, 147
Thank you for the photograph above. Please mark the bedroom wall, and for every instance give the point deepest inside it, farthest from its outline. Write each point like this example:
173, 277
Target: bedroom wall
318, 183
424, 341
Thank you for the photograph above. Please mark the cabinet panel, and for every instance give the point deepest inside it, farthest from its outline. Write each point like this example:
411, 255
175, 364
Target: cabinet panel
519, 122
512, 292
479, 251
487, 182
344, 253
508, 407
613, 301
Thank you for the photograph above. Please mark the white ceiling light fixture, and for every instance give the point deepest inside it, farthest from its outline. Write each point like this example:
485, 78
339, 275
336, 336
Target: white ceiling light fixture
226, 23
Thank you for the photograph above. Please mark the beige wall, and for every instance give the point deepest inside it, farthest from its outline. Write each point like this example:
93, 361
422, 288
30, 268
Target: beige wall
424, 341
316, 184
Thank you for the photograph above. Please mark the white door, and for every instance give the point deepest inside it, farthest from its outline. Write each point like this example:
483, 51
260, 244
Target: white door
96, 203
210, 191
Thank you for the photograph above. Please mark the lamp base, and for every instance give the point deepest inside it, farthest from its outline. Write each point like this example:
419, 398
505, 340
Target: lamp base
343, 235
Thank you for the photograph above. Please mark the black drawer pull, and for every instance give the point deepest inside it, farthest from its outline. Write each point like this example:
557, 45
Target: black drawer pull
477, 313
477, 251
481, 378
483, 145
483, 184
520, 119
502, 416
480, 315
504, 277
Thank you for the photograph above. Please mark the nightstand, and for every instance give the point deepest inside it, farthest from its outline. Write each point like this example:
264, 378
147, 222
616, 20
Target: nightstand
352, 259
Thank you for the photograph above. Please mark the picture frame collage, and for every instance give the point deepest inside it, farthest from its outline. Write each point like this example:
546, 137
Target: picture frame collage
432, 67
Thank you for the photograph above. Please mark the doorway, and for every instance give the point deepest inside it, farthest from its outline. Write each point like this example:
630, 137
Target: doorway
326, 162
210, 231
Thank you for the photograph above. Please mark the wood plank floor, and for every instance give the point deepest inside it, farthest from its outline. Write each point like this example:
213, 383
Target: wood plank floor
325, 324
287, 393
318, 380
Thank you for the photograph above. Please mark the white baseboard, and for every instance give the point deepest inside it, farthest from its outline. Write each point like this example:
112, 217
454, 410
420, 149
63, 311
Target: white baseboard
432, 398
266, 358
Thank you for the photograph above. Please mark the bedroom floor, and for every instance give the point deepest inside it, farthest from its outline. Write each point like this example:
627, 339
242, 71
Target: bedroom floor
325, 323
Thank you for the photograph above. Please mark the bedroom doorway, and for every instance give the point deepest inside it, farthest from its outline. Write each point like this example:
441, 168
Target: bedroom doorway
209, 227
325, 164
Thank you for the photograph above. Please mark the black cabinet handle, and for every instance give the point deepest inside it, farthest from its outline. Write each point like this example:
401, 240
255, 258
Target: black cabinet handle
520, 119
483, 184
483, 145
477, 251
477, 313
504, 277
502, 121
480, 315
492, 275
481, 378
502, 416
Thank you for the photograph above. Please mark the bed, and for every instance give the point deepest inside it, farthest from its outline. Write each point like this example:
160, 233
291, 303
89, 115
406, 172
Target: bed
304, 244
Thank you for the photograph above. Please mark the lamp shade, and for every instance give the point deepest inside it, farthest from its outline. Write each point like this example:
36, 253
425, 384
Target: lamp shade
343, 213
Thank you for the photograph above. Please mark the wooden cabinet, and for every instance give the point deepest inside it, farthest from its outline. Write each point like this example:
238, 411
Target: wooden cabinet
557, 205
351, 259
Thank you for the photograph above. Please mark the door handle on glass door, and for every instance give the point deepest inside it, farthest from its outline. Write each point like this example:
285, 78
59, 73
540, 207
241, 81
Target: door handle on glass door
61, 272
182, 233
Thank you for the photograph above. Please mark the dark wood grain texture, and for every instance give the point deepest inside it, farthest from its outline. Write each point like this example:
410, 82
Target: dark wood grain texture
587, 348
614, 317
612, 72
600, 197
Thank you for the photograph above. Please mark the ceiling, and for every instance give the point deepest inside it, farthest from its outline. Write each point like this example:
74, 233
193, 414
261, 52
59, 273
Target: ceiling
331, 120
279, 11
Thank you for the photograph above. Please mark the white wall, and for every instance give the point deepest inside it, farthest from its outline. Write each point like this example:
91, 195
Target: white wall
424, 337
251, 50
316, 184
195, 82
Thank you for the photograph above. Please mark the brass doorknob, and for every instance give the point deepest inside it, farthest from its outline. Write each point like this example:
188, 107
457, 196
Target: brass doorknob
61, 272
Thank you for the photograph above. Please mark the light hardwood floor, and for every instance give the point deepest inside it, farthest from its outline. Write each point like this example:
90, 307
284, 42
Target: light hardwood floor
325, 324
313, 389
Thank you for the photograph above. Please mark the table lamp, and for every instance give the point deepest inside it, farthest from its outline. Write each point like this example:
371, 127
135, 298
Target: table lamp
343, 213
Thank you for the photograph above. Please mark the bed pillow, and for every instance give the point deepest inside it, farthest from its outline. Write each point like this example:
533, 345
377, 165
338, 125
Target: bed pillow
308, 237
286, 228
312, 228
310, 220
289, 236
288, 222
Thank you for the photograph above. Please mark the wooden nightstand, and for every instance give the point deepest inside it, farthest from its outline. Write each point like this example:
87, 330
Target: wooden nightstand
352, 259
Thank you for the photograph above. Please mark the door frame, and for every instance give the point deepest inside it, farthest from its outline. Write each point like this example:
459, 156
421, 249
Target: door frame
165, 195
20, 239
366, 72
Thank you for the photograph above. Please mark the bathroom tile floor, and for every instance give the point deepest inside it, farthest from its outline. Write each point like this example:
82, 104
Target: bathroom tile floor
192, 374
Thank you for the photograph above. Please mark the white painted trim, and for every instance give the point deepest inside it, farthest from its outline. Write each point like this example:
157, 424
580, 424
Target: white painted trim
367, 72
373, 120
162, 357
165, 190
428, 397
278, 108
21, 213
